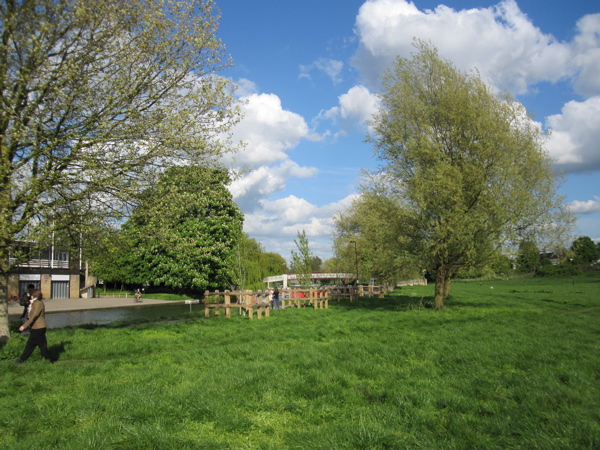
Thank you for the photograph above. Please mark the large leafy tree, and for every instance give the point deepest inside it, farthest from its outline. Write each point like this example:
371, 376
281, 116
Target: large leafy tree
184, 232
469, 162
584, 250
95, 97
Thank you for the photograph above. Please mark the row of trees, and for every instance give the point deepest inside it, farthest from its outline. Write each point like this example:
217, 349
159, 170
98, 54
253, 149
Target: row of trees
583, 251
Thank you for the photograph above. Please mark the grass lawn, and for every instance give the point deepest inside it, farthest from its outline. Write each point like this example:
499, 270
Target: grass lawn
516, 366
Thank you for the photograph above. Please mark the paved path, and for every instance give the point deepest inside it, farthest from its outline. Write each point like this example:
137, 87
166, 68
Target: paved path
79, 304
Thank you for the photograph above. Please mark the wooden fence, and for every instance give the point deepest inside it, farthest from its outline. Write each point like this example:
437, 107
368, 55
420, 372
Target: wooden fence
318, 298
249, 302
340, 292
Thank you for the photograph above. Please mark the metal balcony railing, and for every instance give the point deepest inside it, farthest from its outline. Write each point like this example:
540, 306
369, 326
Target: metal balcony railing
41, 264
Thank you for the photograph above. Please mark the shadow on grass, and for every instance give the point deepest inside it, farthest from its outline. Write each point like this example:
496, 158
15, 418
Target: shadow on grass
133, 323
57, 349
399, 302
388, 303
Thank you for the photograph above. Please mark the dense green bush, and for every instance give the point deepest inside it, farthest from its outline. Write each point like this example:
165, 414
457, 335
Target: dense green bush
566, 269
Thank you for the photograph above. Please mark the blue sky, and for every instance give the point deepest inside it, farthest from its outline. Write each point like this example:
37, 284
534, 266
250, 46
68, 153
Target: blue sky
309, 72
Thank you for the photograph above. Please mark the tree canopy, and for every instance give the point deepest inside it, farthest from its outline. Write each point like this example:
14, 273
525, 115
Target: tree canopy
97, 98
184, 232
469, 163
528, 258
584, 250
374, 222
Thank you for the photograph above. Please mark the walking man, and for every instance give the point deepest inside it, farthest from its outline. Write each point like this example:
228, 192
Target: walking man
37, 322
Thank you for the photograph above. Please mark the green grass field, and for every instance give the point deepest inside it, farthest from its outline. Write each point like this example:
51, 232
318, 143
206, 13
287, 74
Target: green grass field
516, 366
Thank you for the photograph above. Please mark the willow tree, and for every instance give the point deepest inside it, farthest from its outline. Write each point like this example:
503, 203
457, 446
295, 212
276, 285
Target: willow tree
96, 97
254, 264
469, 163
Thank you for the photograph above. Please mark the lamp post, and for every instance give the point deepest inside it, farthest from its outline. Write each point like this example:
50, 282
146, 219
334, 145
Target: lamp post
355, 259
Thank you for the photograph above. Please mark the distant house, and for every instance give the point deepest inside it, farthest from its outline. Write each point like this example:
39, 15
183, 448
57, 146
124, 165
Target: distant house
552, 256
52, 269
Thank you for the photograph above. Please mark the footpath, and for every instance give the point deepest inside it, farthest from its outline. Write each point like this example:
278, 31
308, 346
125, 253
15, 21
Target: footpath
82, 304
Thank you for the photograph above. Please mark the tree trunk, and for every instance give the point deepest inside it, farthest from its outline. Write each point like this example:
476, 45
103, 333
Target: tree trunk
4, 265
4, 328
447, 282
441, 277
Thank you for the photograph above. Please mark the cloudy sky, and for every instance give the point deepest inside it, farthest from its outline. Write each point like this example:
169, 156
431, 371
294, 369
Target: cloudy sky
309, 71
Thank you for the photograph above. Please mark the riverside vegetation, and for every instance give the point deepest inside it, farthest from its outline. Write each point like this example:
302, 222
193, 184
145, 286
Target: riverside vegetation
516, 366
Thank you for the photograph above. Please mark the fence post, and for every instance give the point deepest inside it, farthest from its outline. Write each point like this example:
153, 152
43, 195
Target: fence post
216, 300
227, 303
206, 308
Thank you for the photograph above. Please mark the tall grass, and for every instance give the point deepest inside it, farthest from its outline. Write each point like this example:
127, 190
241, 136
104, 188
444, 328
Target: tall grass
516, 366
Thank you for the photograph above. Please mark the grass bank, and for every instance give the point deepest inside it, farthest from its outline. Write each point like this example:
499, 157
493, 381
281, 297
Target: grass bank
513, 366
153, 295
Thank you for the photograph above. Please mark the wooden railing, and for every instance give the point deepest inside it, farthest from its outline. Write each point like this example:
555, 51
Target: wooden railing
318, 298
249, 302
371, 291
341, 292
241, 300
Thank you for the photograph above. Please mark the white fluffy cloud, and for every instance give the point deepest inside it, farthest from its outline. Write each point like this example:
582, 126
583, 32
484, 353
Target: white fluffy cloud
356, 108
276, 224
586, 51
268, 130
575, 140
589, 207
500, 41
260, 183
